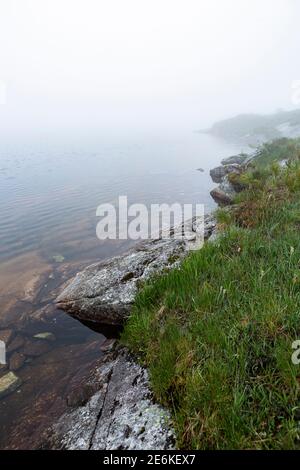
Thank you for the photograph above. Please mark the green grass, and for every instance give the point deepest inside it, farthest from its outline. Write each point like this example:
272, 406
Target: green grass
279, 149
217, 334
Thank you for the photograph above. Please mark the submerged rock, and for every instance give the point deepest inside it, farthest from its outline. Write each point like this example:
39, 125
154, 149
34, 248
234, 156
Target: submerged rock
9, 383
120, 414
16, 343
47, 336
6, 335
35, 348
16, 361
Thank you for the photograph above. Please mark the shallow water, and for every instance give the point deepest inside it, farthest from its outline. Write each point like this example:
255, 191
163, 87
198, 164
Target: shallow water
49, 192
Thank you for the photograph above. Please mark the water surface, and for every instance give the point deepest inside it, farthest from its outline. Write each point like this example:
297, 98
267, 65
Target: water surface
49, 191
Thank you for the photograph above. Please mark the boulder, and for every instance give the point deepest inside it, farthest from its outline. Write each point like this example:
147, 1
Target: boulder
16, 343
221, 197
8, 384
47, 336
104, 292
116, 412
217, 174
6, 335
16, 361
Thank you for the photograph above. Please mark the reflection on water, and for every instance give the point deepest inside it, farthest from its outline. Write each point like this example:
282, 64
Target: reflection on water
49, 193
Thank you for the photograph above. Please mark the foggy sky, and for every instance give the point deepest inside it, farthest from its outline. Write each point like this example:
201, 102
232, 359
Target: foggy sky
103, 64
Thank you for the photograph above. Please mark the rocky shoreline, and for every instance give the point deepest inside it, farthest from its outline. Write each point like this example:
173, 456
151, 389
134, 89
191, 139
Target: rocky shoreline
224, 174
114, 407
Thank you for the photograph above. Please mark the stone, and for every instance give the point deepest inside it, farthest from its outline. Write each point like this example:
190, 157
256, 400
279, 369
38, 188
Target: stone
221, 197
79, 396
217, 174
58, 258
108, 345
16, 343
35, 348
121, 414
8, 384
104, 292
6, 335
16, 361
47, 336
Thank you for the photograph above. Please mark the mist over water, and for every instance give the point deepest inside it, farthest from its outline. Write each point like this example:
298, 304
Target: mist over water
50, 189
100, 99
116, 66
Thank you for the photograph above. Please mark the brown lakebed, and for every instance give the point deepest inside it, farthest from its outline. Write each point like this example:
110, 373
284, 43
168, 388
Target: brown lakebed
46, 350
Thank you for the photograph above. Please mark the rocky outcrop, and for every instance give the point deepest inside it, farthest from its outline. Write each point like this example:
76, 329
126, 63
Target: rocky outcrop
115, 409
218, 174
116, 412
104, 292
227, 177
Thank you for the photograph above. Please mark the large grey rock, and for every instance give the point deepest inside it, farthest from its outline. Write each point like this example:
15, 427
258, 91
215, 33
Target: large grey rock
224, 194
104, 292
217, 174
120, 414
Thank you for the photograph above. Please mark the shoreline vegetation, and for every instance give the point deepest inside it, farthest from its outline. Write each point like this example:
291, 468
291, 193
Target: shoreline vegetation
216, 333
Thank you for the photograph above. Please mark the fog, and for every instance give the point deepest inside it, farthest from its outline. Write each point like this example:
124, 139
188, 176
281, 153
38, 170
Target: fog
81, 65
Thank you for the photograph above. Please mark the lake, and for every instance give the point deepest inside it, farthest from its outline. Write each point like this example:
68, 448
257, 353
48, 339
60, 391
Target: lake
50, 188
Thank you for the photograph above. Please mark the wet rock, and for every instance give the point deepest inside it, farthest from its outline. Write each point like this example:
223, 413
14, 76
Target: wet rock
16, 361
218, 174
227, 176
108, 345
221, 197
209, 226
47, 336
6, 335
80, 396
120, 415
9, 383
104, 292
35, 348
16, 344
58, 258
44, 314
